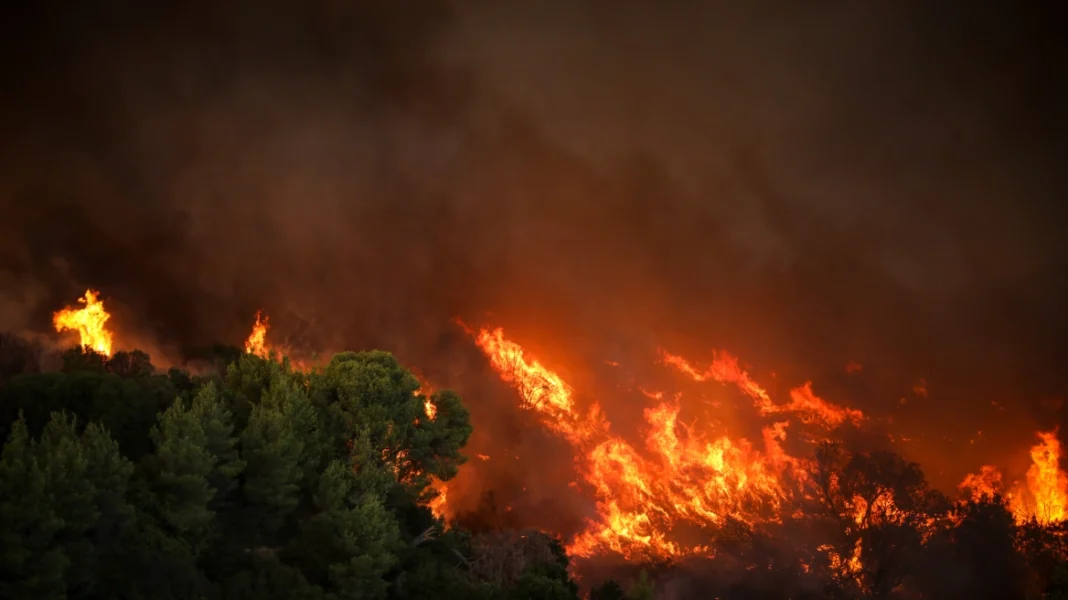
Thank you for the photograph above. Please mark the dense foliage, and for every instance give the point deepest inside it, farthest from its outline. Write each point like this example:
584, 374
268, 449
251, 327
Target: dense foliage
254, 480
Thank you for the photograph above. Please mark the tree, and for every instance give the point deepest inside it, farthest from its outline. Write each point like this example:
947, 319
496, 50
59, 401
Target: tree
350, 542
216, 421
126, 402
526, 564
177, 475
252, 481
370, 399
879, 504
32, 561
110, 474
981, 541
273, 448
63, 502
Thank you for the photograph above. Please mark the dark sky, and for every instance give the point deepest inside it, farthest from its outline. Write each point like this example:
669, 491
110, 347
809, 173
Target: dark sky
804, 184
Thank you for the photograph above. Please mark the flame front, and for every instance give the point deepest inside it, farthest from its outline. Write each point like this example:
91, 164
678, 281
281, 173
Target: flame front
681, 480
89, 321
257, 340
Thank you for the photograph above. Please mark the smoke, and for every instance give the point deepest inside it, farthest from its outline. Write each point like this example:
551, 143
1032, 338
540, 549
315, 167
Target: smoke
804, 186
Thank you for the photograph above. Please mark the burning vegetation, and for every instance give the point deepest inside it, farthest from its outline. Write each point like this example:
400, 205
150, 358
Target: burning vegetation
728, 291
89, 322
797, 512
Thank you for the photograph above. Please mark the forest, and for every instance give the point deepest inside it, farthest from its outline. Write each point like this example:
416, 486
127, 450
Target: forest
251, 479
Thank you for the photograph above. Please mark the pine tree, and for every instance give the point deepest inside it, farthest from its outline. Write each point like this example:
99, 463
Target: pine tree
110, 473
178, 474
352, 540
217, 423
61, 454
32, 561
272, 449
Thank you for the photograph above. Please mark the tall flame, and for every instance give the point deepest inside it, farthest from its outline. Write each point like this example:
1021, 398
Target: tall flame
89, 321
1042, 497
257, 340
1046, 481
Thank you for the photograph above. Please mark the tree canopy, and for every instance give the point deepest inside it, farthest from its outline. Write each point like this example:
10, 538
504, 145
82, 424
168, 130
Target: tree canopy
253, 481
257, 480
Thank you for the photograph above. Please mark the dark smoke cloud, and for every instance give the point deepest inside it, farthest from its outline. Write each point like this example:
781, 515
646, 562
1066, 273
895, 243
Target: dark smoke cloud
805, 186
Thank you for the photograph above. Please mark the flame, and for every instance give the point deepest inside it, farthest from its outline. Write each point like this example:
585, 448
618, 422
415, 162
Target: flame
682, 478
542, 390
849, 567
1046, 481
439, 504
1042, 497
89, 321
257, 340
813, 409
724, 368
983, 485
426, 391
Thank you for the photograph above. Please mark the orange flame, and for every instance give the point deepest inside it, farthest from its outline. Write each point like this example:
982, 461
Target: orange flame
542, 390
257, 340
983, 485
438, 506
89, 321
427, 392
1043, 497
1046, 481
724, 368
681, 480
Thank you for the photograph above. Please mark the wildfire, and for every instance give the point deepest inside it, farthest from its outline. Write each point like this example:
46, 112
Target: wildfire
257, 340
671, 495
1042, 497
682, 479
89, 321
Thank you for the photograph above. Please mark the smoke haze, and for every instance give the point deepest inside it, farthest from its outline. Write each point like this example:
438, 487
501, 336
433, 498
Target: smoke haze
803, 186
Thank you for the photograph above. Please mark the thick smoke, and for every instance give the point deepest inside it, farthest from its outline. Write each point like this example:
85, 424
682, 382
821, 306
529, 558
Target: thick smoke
803, 185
